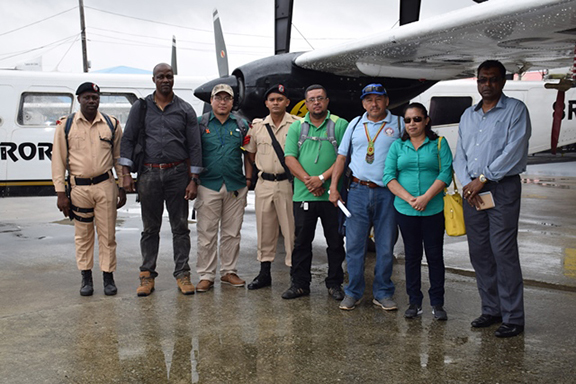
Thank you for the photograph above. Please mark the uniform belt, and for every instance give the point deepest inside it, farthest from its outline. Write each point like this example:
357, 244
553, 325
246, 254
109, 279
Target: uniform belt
164, 165
274, 177
93, 180
369, 184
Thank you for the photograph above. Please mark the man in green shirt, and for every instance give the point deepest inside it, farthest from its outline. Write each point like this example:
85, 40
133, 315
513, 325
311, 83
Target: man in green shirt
310, 158
222, 191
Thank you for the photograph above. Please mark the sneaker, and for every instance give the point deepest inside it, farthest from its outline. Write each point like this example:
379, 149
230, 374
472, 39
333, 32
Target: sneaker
232, 279
185, 285
294, 292
146, 284
204, 285
349, 303
413, 311
439, 313
336, 292
386, 303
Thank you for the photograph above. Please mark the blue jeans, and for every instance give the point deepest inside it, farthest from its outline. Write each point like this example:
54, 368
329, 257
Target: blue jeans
156, 186
427, 230
370, 206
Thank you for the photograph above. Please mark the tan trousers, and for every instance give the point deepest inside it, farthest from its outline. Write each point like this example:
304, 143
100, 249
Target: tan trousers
102, 197
274, 211
218, 211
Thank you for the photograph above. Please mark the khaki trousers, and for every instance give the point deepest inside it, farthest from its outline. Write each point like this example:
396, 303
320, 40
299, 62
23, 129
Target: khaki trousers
274, 212
218, 211
102, 197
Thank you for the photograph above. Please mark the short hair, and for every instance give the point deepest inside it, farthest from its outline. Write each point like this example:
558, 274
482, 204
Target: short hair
159, 65
427, 130
493, 64
313, 87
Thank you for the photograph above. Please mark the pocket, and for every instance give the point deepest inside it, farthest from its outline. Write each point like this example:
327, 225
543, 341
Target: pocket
77, 142
264, 148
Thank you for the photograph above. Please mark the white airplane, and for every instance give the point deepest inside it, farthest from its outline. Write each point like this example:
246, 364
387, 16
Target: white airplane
31, 104
522, 34
447, 100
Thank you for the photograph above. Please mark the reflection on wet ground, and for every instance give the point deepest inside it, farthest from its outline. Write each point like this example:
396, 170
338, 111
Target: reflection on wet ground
49, 334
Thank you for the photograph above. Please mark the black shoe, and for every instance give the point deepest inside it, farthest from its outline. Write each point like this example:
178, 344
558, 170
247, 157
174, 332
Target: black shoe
87, 288
509, 330
336, 292
109, 285
486, 320
260, 281
294, 292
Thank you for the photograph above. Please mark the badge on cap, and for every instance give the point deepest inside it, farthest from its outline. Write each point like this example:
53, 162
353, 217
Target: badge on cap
281, 88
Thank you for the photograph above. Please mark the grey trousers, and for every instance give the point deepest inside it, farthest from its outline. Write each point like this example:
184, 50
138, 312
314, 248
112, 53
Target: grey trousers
493, 246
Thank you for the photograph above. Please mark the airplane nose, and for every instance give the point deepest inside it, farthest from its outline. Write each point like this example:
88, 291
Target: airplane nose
204, 91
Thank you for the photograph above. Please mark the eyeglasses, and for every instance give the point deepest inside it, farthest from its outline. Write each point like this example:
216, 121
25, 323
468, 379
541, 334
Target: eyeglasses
491, 80
316, 99
225, 99
417, 119
374, 88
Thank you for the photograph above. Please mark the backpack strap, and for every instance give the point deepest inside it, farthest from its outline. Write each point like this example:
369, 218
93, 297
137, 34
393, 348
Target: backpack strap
330, 133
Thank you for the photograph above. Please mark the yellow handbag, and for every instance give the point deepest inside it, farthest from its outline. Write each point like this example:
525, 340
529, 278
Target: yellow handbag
453, 211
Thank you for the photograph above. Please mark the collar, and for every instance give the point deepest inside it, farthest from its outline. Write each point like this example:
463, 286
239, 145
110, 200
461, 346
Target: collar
307, 119
80, 116
501, 103
387, 119
408, 143
268, 120
213, 116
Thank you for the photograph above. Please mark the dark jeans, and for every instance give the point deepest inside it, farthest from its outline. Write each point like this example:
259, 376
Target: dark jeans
305, 221
156, 186
430, 231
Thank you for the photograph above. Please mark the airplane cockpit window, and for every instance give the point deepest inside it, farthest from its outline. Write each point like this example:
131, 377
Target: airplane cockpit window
43, 109
445, 110
117, 104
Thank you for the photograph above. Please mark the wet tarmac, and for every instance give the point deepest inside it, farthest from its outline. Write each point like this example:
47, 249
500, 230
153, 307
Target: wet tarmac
50, 334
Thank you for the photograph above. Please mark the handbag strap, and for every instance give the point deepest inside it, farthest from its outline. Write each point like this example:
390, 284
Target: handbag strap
278, 149
440, 167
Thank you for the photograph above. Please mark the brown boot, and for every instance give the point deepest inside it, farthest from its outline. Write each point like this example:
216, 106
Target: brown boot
146, 284
185, 285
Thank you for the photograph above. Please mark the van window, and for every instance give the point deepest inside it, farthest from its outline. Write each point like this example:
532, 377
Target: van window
117, 105
43, 109
448, 109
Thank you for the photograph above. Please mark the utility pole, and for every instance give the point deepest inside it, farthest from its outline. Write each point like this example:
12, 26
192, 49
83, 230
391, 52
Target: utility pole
83, 34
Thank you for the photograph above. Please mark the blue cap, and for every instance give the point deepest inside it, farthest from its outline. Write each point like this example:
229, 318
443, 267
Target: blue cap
373, 89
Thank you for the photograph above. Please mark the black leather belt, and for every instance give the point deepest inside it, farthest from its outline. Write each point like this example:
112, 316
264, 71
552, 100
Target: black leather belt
369, 184
274, 177
93, 180
164, 165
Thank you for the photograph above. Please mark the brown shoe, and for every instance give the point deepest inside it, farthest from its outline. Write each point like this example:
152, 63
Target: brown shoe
232, 279
185, 285
204, 286
146, 284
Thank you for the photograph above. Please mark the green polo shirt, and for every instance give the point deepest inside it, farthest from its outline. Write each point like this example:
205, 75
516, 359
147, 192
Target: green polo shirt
314, 156
222, 154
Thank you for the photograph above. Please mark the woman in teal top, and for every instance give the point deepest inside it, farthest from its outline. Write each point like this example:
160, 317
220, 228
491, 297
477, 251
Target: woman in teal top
417, 170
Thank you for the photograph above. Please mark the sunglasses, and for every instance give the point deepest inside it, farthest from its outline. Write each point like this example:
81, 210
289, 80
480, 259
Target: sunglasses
491, 80
374, 88
417, 119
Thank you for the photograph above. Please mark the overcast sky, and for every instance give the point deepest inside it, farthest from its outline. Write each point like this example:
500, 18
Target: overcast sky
138, 33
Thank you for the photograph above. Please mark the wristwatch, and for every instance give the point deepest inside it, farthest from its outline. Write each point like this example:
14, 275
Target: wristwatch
482, 179
321, 177
195, 180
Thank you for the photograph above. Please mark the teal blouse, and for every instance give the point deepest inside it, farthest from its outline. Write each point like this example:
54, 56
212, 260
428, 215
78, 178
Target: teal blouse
416, 171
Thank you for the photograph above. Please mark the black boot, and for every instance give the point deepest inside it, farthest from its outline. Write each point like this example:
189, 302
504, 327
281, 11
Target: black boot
109, 286
87, 288
264, 279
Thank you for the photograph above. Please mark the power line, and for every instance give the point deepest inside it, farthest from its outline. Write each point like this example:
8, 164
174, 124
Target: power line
55, 43
36, 22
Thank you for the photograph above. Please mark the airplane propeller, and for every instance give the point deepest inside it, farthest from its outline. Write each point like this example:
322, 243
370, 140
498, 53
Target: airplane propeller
563, 86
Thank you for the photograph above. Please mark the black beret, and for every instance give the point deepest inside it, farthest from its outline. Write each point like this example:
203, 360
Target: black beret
87, 87
278, 88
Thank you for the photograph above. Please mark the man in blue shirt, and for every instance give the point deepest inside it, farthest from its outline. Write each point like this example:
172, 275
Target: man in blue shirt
491, 152
369, 137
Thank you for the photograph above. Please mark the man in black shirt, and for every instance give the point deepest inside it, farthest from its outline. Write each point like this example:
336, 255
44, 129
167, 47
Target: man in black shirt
172, 162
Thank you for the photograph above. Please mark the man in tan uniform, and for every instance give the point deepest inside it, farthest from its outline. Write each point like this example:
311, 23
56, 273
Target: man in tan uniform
88, 147
274, 188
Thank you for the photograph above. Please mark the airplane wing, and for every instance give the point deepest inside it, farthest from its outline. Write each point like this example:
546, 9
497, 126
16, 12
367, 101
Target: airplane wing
522, 34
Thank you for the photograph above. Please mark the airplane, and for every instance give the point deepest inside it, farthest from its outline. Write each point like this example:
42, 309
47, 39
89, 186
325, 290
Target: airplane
522, 34
447, 100
407, 60
32, 102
